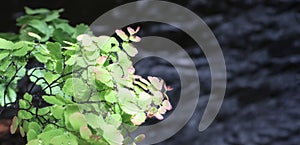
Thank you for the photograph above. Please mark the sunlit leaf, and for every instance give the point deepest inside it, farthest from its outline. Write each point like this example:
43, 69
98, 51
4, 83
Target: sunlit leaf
46, 137
57, 111
122, 35
85, 132
94, 120
4, 54
102, 75
43, 111
135, 38
139, 118
31, 135
144, 100
167, 105
114, 119
130, 49
112, 135
24, 114
55, 50
53, 100
35, 126
41, 26
36, 36
77, 120
50, 77
5, 44
156, 82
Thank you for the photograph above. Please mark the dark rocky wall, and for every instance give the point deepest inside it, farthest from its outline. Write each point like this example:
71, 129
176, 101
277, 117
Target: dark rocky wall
261, 44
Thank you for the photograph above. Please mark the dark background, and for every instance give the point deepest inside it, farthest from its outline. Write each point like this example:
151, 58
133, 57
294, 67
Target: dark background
261, 44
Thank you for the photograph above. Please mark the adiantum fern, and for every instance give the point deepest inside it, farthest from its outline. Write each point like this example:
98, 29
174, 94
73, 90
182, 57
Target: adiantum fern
89, 93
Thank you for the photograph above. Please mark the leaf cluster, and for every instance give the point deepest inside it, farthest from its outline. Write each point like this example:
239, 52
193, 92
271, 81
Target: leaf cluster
89, 84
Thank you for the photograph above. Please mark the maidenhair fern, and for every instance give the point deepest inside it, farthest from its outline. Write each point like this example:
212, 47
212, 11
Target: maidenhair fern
88, 91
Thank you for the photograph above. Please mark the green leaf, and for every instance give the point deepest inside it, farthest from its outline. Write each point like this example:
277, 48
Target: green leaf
33, 142
49, 127
112, 135
31, 135
77, 120
46, 137
81, 29
53, 100
43, 111
60, 35
5, 44
55, 50
124, 60
21, 52
9, 36
57, 111
36, 11
25, 124
4, 54
35, 126
22, 132
4, 65
114, 119
85, 132
71, 61
41, 26
144, 100
21, 44
157, 97
66, 28
24, 104
42, 49
111, 96
156, 82
69, 110
53, 15
94, 121
22, 114
28, 97
41, 58
128, 101
59, 66
139, 118
102, 75
67, 139
130, 49
105, 43
68, 87
50, 77
12, 95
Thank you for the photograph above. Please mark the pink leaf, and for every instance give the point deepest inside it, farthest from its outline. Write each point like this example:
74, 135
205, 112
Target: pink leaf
135, 38
162, 110
101, 60
131, 70
122, 35
158, 116
132, 31
167, 105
